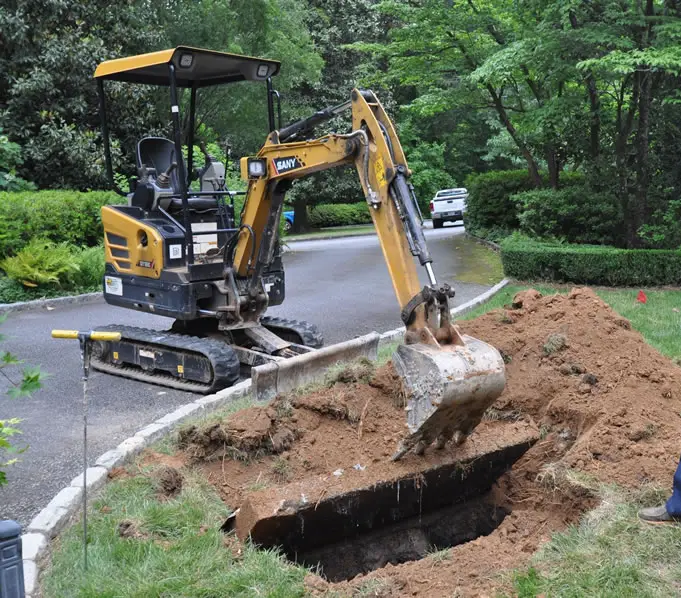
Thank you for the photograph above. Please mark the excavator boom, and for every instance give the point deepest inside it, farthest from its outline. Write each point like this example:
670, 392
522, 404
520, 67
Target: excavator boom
449, 380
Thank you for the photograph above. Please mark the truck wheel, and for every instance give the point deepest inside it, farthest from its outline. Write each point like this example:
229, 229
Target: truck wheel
437, 223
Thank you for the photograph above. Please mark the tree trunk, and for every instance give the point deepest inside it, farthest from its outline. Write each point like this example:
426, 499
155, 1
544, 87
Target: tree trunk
640, 204
594, 105
300, 223
595, 126
532, 167
625, 122
553, 166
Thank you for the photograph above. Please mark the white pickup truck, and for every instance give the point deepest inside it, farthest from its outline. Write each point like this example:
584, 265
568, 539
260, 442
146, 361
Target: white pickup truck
448, 205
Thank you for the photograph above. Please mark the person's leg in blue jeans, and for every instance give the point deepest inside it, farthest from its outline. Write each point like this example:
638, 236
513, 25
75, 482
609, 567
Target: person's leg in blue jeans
669, 512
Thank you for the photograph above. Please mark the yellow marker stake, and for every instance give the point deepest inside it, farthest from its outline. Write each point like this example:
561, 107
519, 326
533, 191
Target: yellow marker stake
85, 339
92, 336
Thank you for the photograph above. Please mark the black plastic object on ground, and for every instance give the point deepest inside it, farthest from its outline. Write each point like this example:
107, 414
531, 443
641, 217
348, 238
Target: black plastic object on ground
11, 564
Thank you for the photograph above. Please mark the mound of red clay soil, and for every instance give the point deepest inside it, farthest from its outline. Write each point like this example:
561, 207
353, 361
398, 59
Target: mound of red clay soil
607, 405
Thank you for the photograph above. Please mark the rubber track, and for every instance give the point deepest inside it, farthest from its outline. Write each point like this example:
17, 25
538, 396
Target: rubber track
310, 334
221, 356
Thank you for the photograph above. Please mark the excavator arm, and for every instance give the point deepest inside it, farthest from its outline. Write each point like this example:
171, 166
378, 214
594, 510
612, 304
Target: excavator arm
449, 379
375, 150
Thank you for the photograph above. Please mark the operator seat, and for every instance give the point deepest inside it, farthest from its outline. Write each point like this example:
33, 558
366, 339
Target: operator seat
158, 153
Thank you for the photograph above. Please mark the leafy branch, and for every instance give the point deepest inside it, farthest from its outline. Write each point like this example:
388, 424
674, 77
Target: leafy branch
30, 382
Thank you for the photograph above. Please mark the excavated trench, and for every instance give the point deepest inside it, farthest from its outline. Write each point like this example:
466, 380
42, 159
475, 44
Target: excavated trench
402, 519
407, 540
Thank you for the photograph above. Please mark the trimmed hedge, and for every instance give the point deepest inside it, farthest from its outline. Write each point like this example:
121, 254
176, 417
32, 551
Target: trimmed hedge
526, 259
492, 212
60, 216
327, 215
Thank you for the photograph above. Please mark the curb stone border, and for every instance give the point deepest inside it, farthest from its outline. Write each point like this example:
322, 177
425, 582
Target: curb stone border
491, 244
6, 308
64, 507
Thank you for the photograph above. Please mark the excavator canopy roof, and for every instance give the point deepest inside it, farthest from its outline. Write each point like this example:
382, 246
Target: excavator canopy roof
193, 66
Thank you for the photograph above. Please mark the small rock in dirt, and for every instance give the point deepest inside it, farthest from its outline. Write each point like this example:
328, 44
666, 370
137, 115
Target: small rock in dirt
554, 343
338, 473
623, 323
233, 545
565, 434
590, 379
117, 472
583, 388
128, 529
526, 298
360, 371
505, 356
667, 391
636, 435
565, 369
282, 440
169, 481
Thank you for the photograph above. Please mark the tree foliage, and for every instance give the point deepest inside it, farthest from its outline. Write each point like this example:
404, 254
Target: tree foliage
473, 85
590, 86
29, 382
50, 50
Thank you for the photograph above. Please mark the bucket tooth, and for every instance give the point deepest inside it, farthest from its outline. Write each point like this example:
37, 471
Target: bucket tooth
447, 390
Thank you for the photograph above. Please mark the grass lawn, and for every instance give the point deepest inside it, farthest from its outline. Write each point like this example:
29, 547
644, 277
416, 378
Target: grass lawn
178, 549
610, 553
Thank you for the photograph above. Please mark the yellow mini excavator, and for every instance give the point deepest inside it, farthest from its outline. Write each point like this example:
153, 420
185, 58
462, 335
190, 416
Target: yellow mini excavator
178, 250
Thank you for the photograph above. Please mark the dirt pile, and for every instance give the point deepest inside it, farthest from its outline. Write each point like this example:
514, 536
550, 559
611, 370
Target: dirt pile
606, 403
168, 481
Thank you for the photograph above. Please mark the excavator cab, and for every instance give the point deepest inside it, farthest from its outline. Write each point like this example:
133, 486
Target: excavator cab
179, 252
164, 182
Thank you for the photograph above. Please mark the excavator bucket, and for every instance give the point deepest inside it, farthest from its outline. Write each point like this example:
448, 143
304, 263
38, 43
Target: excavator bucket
447, 390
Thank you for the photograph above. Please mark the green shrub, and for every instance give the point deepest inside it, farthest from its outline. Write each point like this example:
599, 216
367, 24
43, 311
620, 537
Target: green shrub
42, 263
10, 159
51, 271
427, 162
574, 214
90, 271
490, 206
12, 291
526, 259
60, 216
328, 215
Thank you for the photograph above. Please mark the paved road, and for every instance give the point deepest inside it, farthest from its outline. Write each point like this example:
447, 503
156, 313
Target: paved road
340, 284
